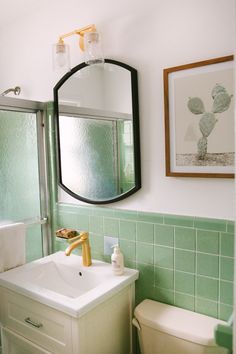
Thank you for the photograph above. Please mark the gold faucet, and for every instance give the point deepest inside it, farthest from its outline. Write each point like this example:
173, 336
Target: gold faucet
84, 242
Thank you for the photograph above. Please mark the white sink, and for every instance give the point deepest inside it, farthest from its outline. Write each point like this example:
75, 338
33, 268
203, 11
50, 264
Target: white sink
63, 283
61, 278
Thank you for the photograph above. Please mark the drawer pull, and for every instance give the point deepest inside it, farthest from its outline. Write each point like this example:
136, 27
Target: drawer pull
32, 323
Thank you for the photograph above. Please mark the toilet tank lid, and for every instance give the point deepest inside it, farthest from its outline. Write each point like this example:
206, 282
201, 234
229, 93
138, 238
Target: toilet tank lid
181, 323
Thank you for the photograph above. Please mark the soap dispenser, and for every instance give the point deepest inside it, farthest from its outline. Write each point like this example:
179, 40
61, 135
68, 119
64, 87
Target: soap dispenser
117, 261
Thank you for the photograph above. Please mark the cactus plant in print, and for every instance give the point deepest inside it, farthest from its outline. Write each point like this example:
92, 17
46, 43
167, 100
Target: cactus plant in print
202, 147
221, 102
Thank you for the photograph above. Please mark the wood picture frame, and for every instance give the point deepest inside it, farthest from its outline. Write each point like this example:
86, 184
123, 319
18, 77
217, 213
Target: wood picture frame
199, 119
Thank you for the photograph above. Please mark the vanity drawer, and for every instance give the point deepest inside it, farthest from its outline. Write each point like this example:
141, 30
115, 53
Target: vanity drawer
39, 323
13, 343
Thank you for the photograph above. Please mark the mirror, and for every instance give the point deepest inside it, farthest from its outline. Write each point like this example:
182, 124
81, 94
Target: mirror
97, 124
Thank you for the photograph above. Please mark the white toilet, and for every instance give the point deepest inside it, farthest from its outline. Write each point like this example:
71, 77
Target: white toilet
165, 329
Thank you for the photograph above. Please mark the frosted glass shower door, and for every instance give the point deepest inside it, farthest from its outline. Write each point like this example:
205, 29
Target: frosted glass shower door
19, 175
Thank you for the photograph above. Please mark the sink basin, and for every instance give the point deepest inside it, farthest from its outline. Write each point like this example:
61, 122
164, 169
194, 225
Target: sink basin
64, 284
62, 279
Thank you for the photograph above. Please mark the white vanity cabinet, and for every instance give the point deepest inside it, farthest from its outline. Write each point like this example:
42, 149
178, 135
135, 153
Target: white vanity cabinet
31, 327
15, 344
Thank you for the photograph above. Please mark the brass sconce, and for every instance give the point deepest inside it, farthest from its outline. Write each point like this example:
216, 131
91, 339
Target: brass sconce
89, 43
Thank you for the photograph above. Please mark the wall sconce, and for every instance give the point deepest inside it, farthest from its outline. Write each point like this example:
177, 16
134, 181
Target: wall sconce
89, 43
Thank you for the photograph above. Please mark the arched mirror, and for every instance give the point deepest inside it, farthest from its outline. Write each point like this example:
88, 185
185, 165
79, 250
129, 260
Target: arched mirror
97, 122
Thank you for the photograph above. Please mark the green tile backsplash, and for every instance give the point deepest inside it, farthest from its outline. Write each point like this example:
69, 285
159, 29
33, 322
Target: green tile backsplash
185, 261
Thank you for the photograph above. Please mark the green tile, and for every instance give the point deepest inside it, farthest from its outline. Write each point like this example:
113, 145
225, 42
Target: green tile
178, 220
225, 312
73, 220
97, 244
185, 261
72, 208
96, 224
82, 222
163, 295
208, 241
185, 283
83, 210
207, 288
210, 224
129, 263
208, 265
184, 301
145, 282
105, 258
164, 235
185, 238
128, 249
60, 246
146, 272
226, 292
164, 257
206, 307
102, 211
227, 268
111, 227
144, 253
75, 209
125, 214
164, 278
67, 220
230, 227
150, 217
128, 230
227, 244
143, 292
100, 257
145, 232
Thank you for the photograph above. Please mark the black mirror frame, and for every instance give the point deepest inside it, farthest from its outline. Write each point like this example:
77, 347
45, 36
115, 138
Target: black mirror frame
136, 134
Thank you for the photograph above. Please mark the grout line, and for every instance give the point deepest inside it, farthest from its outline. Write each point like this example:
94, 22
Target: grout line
153, 257
219, 286
178, 248
174, 235
195, 278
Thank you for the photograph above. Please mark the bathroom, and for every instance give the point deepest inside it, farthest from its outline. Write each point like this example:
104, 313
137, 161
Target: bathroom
168, 214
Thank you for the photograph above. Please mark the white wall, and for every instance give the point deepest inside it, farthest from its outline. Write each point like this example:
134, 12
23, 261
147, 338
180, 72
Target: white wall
149, 35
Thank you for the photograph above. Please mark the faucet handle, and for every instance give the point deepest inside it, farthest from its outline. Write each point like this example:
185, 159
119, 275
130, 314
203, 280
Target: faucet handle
80, 234
73, 239
66, 233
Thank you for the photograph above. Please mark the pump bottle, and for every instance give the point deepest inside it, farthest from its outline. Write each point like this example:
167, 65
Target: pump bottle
117, 261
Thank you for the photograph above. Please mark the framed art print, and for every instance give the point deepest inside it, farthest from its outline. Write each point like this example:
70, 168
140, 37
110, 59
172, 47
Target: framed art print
199, 119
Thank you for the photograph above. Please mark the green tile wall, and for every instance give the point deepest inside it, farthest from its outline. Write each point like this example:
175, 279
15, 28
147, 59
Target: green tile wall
184, 261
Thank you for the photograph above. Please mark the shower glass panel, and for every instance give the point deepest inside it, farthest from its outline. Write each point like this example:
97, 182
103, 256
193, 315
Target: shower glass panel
96, 156
19, 175
89, 145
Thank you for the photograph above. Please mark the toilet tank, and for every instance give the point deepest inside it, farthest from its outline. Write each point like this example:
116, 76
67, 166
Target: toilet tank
166, 329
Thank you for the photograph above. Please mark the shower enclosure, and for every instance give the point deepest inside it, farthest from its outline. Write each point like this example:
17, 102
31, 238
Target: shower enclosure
23, 192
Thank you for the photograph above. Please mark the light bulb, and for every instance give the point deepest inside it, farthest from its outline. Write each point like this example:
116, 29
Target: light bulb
61, 58
92, 48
